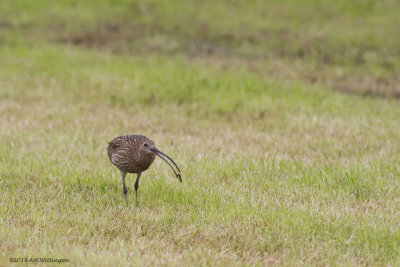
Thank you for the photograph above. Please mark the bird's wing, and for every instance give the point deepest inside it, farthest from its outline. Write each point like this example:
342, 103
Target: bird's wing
113, 147
119, 152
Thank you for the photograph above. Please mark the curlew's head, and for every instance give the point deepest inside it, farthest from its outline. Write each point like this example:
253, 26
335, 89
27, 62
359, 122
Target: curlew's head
146, 146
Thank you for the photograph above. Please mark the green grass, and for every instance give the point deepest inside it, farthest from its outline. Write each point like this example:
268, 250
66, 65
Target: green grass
283, 116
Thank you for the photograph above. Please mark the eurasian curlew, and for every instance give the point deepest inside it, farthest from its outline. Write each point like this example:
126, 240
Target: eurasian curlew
135, 154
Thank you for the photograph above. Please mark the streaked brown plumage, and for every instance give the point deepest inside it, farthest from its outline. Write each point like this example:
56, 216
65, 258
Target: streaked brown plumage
135, 154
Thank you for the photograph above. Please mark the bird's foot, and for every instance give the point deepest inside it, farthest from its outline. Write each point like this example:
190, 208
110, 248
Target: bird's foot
126, 200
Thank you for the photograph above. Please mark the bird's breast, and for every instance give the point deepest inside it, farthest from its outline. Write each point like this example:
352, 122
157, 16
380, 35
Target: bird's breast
141, 164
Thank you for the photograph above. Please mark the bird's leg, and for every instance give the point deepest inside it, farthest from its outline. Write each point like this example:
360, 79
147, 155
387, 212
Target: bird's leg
137, 186
124, 190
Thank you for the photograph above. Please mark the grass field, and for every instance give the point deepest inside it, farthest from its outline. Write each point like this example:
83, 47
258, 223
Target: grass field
284, 117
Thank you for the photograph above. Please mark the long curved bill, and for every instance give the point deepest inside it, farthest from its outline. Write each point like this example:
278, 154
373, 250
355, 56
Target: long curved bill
159, 153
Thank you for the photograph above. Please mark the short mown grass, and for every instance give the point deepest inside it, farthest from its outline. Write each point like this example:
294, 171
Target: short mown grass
279, 167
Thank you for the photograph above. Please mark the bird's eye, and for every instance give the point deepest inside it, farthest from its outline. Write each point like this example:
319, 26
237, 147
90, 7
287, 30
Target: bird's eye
145, 144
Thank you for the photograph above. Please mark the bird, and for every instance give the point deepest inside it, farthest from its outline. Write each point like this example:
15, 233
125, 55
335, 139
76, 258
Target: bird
134, 154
